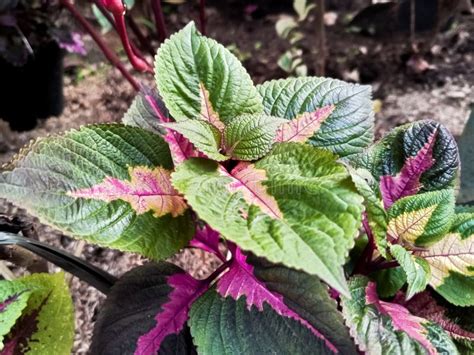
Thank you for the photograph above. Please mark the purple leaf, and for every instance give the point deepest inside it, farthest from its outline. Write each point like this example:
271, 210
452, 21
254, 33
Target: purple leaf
425, 306
401, 318
407, 181
240, 280
207, 239
174, 313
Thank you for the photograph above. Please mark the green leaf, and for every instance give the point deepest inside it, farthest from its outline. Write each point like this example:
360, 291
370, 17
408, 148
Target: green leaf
13, 300
188, 59
421, 219
250, 137
348, 130
47, 323
417, 270
380, 327
43, 176
321, 211
452, 264
466, 152
376, 215
146, 111
227, 326
203, 135
388, 156
389, 281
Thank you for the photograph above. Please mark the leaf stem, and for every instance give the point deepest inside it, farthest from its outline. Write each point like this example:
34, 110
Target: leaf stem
111, 56
366, 256
159, 20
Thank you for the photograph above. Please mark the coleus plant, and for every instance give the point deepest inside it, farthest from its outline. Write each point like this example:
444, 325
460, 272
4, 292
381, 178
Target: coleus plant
328, 242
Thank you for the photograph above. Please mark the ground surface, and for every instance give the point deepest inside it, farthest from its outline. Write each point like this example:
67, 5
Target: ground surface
442, 94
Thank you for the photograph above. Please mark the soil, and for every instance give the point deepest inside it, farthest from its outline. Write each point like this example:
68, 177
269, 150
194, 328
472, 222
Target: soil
443, 93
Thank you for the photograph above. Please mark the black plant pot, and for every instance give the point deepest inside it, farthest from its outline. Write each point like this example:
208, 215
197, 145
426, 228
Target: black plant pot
32, 91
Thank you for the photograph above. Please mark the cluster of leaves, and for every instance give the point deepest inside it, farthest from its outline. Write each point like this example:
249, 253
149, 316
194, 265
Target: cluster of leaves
287, 28
276, 181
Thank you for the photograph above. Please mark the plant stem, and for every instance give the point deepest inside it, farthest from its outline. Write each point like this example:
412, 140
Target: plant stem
202, 15
159, 20
111, 56
367, 254
144, 42
114, 25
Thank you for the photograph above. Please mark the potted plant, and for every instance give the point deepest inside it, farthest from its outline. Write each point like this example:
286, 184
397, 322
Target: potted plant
31, 61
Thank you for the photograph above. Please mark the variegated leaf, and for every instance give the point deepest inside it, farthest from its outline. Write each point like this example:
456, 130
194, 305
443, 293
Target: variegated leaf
303, 127
452, 268
207, 112
421, 219
147, 190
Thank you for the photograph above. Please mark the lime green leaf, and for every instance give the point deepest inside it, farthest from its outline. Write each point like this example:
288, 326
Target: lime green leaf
452, 267
13, 299
41, 178
376, 216
416, 269
186, 60
321, 211
250, 137
348, 130
203, 135
47, 323
380, 327
421, 219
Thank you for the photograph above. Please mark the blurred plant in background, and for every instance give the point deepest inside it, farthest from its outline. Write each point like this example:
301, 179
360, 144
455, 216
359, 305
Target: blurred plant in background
288, 28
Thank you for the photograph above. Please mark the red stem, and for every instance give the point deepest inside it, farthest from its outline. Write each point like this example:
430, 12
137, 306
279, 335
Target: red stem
367, 254
202, 15
112, 22
144, 42
159, 20
138, 63
111, 56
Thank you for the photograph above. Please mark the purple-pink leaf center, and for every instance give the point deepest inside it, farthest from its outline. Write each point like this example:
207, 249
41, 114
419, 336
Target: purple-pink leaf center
174, 313
303, 127
207, 239
240, 280
249, 181
401, 318
407, 181
148, 190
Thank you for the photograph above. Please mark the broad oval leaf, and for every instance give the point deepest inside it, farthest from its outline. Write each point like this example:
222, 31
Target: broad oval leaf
388, 156
188, 60
452, 264
321, 210
348, 130
421, 219
258, 307
41, 178
46, 325
380, 327
146, 312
